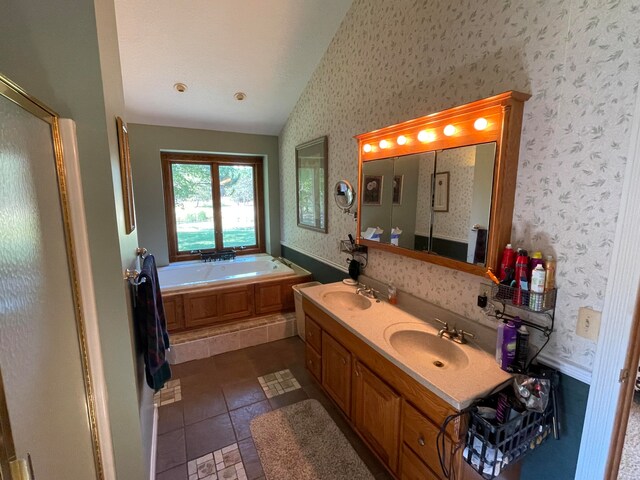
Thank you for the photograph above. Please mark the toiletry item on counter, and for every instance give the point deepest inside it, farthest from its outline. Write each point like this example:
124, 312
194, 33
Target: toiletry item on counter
521, 278
522, 348
395, 236
393, 295
509, 343
354, 269
507, 264
499, 338
536, 296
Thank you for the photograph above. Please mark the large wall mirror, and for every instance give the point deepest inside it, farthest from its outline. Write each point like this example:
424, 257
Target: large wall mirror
311, 180
441, 188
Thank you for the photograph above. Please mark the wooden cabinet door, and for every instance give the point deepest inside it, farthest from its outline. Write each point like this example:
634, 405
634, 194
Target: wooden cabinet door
288, 304
201, 309
236, 302
336, 372
376, 414
268, 297
173, 312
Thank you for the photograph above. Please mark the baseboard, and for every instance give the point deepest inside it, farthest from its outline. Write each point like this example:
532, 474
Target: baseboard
154, 444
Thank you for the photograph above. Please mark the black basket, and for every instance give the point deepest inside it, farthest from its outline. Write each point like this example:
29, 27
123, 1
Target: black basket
491, 448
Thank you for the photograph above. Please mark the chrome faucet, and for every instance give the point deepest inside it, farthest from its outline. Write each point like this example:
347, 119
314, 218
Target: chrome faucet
445, 332
458, 336
367, 291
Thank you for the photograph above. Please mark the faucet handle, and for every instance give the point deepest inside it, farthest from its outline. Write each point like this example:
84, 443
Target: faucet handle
461, 336
446, 324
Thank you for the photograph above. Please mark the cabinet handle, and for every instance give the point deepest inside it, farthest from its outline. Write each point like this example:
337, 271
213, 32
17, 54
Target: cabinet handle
310, 334
344, 362
421, 441
357, 371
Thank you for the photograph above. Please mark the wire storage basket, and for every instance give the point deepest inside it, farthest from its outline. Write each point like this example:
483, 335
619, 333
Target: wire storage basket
491, 448
524, 299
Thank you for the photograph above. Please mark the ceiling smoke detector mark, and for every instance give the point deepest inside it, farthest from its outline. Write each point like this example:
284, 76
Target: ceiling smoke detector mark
180, 87
240, 96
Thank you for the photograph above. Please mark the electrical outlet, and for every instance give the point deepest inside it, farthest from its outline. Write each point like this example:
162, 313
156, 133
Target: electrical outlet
588, 323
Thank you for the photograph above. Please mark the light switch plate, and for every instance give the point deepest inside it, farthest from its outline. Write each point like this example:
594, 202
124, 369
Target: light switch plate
588, 323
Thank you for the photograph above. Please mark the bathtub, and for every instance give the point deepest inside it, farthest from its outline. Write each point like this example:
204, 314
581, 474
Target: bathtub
185, 275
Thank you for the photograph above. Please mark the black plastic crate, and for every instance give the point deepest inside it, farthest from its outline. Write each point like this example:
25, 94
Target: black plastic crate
491, 448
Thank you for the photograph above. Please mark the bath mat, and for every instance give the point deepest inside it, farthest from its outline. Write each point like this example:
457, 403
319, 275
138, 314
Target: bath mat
302, 442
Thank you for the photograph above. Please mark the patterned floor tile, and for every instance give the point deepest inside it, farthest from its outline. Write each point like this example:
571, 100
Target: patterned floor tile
277, 383
223, 464
170, 393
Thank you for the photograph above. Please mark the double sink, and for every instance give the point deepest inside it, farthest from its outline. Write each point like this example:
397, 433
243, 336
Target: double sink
456, 373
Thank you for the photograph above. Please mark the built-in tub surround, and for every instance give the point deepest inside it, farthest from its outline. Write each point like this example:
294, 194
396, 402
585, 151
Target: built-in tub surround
381, 325
217, 307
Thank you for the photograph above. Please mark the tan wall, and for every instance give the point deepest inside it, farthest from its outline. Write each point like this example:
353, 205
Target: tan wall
147, 141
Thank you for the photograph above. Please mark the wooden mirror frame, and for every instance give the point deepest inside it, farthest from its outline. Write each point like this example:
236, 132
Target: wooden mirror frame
503, 114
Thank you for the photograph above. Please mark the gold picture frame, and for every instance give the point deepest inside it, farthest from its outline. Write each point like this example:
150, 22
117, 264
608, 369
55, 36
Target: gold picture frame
125, 176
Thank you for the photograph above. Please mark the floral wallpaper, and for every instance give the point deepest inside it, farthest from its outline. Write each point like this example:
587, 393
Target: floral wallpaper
393, 61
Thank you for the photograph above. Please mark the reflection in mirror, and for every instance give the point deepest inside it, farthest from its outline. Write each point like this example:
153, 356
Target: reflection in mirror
411, 210
344, 195
311, 180
376, 199
462, 205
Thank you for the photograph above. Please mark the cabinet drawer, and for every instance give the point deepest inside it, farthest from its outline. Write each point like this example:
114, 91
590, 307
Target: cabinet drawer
413, 468
420, 434
313, 334
313, 362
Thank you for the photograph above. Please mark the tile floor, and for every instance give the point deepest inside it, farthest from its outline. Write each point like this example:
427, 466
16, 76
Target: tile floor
206, 434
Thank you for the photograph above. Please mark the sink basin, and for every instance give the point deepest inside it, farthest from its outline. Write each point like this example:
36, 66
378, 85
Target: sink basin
424, 350
346, 300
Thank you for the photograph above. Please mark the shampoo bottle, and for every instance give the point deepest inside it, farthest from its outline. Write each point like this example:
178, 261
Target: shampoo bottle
509, 344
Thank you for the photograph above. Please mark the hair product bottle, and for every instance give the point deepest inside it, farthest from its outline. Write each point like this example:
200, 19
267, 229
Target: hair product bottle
521, 279
509, 344
508, 262
536, 295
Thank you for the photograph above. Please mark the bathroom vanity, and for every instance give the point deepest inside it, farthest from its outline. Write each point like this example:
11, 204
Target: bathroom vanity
395, 379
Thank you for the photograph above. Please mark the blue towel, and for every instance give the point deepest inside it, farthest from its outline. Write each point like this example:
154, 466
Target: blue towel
152, 325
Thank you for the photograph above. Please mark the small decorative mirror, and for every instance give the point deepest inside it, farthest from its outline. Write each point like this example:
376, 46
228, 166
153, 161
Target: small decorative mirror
344, 195
311, 179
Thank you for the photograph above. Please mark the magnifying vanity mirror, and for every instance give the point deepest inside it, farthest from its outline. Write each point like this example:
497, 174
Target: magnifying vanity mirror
441, 188
344, 195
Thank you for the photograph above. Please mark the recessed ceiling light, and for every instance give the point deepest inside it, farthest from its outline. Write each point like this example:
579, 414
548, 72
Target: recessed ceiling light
240, 96
180, 87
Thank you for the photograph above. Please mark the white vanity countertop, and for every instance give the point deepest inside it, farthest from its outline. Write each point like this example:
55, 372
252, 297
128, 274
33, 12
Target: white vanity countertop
475, 377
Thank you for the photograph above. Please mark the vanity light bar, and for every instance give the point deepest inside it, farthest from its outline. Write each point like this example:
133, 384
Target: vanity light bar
424, 136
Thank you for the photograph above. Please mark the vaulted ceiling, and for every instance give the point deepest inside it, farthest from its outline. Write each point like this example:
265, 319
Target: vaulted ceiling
267, 49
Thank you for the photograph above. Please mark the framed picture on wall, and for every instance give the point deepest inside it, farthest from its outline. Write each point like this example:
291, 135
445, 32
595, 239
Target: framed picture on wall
441, 192
125, 176
372, 190
397, 189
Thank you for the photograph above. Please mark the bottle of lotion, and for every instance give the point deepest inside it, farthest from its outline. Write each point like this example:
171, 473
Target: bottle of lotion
509, 344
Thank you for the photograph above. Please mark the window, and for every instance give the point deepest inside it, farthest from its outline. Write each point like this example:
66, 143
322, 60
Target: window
212, 203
